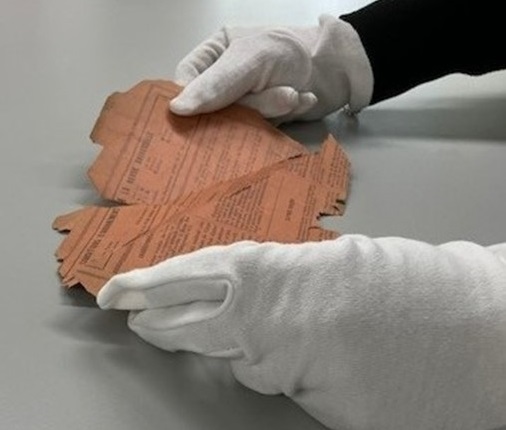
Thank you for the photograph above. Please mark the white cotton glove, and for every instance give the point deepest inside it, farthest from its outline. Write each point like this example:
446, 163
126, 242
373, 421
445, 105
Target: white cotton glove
286, 73
385, 334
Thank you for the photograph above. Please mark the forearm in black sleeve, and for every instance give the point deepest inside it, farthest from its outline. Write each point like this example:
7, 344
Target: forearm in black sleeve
410, 42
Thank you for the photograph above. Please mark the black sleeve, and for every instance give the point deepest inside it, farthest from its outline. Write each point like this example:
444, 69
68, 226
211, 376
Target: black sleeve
410, 42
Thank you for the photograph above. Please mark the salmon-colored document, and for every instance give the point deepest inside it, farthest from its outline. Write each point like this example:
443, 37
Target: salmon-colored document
183, 183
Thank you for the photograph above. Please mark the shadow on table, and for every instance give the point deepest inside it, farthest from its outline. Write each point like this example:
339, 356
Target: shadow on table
311, 134
77, 296
155, 389
449, 118
202, 393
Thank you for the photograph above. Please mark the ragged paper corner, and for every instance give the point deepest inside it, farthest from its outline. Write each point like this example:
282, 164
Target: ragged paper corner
183, 183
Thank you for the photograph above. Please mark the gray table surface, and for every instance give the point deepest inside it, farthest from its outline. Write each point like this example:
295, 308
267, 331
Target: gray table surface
428, 165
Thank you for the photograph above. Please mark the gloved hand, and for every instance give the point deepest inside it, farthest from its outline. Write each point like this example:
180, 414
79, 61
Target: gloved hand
285, 73
385, 334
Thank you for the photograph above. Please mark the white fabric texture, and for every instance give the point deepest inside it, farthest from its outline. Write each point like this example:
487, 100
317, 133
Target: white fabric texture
366, 334
285, 73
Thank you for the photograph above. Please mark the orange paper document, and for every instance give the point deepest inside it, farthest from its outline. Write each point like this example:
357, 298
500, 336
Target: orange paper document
185, 183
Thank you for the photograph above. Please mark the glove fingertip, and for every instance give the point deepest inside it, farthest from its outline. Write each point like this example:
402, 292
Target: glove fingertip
180, 106
307, 100
114, 295
103, 298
